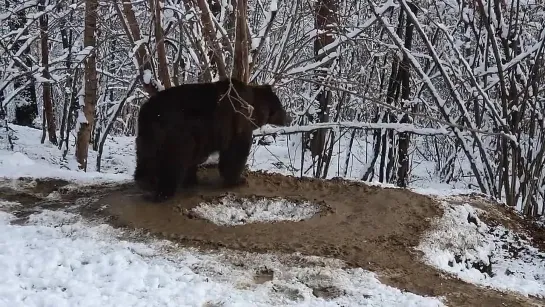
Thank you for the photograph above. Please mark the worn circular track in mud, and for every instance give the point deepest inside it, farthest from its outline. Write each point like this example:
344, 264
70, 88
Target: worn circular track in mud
359, 217
369, 227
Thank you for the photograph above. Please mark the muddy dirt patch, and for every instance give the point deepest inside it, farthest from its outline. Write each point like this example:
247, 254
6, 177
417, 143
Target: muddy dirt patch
30, 190
359, 215
368, 227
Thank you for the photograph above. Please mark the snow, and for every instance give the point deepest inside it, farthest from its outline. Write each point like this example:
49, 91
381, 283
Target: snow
231, 211
147, 76
81, 118
32, 159
314, 65
59, 259
17, 164
83, 53
255, 42
273, 6
268, 129
461, 235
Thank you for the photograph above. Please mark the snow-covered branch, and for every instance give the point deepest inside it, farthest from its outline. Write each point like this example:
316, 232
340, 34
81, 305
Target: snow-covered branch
270, 130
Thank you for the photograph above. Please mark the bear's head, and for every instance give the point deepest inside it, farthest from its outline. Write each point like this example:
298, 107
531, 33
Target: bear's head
267, 107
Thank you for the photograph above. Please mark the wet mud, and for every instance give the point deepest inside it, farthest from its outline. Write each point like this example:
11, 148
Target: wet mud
369, 227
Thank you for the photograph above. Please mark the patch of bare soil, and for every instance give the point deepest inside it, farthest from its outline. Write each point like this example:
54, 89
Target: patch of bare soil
28, 190
368, 227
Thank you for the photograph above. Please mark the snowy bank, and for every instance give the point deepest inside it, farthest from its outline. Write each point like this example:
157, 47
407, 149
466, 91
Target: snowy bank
461, 244
17, 164
58, 259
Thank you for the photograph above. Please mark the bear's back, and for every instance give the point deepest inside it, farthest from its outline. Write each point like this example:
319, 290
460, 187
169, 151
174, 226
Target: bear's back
192, 99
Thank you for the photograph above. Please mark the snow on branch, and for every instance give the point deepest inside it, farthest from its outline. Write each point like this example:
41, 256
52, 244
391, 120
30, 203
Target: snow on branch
259, 40
115, 114
268, 130
398, 127
83, 54
448, 123
491, 106
312, 66
515, 61
20, 7
358, 31
439, 100
13, 94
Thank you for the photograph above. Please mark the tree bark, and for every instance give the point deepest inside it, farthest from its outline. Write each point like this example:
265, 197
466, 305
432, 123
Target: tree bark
67, 41
241, 69
325, 11
210, 38
404, 76
90, 80
133, 33
49, 117
163, 73
26, 109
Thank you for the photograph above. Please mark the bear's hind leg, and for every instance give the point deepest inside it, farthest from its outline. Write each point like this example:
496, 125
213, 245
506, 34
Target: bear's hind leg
233, 161
172, 167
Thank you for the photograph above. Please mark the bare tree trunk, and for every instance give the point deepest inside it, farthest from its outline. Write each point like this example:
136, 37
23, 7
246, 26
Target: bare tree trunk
66, 37
131, 28
210, 38
49, 118
241, 69
164, 76
4, 126
26, 109
109, 124
404, 76
90, 81
392, 95
255, 51
209, 54
72, 108
325, 11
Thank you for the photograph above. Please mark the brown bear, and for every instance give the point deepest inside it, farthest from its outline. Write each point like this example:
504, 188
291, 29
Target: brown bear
269, 112
180, 127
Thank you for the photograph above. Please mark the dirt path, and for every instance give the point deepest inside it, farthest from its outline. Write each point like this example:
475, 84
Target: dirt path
368, 227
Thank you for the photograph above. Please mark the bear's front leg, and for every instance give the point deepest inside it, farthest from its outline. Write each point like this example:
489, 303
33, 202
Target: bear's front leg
168, 182
191, 178
233, 160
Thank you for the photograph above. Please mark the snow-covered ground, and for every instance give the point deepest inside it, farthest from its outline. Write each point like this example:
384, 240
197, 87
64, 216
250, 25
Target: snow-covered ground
30, 158
59, 259
461, 244
232, 211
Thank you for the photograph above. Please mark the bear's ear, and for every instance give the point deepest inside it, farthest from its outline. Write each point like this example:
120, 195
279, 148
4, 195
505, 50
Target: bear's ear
262, 87
268, 87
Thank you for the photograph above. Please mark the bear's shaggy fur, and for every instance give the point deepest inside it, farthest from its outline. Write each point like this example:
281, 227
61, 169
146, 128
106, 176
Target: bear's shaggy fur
180, 127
